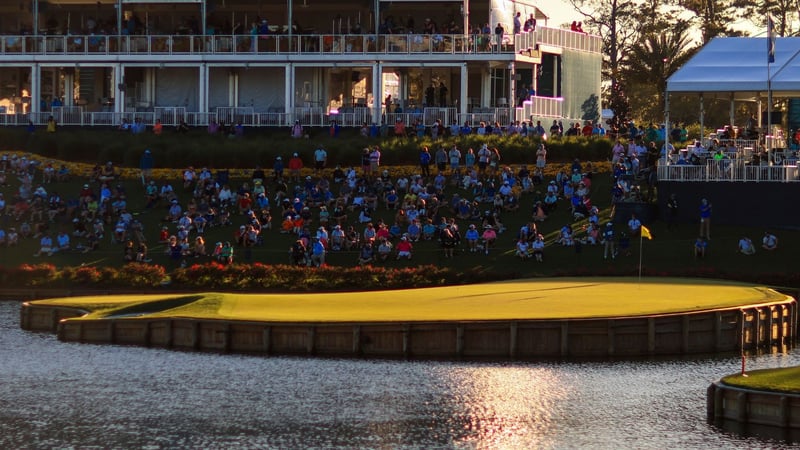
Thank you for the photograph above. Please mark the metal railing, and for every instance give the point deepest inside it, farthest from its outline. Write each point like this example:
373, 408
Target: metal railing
573, 40
308, 116
541, 107
297, 43
730, 170
250, 45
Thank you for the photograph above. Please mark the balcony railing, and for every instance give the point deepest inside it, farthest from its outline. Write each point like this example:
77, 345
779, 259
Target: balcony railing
250, 45
730, 170
541, 107
313, 116
299, 44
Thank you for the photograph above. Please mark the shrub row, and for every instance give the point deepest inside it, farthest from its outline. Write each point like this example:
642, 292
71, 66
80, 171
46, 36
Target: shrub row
261, 147
285, 278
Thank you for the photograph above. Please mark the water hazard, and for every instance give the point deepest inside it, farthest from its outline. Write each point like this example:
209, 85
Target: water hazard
57, 395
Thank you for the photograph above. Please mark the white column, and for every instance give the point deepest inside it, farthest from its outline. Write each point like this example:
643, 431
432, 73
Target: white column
462, 99
465, 12
119, 85
512, 90
202, 103
36, 89
69, 88
377, 92
486, 88
233, 88
288, 87
149, 86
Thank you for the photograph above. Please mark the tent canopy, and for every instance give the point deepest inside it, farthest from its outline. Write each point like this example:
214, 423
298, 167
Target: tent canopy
738, 66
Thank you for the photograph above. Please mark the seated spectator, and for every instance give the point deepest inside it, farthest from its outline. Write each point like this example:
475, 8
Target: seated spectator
404, 248
45, 246
522, 249
746, 246
538, 248
769, 242
700, 247
367, 254
489, 237
384, 249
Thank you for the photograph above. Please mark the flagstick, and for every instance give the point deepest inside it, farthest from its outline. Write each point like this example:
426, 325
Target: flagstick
641, 240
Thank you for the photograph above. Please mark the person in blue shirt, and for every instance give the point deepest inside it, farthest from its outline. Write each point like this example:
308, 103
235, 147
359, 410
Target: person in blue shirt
705, 219
609, 243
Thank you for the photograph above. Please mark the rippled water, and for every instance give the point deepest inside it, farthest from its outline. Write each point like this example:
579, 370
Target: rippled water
56, 395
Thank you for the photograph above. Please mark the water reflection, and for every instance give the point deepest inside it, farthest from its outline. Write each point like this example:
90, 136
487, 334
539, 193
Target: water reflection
58, 394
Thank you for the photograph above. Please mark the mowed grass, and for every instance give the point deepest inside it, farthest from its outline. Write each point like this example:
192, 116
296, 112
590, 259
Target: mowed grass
784, 380
669, 251
509, 300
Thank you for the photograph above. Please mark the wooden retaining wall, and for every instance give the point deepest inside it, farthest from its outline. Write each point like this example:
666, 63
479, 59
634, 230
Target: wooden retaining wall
760, 328
752, 407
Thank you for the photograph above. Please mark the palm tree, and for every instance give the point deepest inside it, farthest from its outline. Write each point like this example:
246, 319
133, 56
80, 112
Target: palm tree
653, 59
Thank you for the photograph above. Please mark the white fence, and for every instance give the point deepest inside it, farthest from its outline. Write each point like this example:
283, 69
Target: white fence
729, 170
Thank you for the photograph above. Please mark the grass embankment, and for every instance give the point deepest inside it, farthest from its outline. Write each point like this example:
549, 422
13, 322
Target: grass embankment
509, 300
784, 380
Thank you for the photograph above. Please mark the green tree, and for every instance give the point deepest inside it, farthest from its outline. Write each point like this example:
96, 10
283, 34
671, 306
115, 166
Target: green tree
652, 60
714, 17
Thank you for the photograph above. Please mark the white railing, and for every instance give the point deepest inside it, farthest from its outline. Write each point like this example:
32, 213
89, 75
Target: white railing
246, 44
559, 37
297, 43
541, 107
729, 170
308, 116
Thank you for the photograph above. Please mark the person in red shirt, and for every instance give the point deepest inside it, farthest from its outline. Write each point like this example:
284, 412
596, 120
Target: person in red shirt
244, 203
587, 129
295, 166
404, 248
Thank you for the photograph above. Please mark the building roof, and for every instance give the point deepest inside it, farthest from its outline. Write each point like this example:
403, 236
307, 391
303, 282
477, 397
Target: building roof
739, 65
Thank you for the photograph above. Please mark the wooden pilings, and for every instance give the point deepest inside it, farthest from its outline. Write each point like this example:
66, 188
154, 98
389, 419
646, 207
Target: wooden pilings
748, 406
762, 328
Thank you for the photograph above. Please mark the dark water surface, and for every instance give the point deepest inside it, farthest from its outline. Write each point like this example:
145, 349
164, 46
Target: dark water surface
59, 395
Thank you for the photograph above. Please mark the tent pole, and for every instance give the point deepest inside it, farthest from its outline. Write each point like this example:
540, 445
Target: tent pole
732, 112
702, 121
666, 127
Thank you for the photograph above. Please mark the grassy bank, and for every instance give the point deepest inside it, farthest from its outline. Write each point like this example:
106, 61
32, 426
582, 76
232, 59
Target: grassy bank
784, 380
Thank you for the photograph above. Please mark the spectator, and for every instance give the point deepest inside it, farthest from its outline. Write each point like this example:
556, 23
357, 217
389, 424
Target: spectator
705, 219
489, 237
146, 164
609, 242
700, 247
538, 248
746, 246
769, 242
404, 248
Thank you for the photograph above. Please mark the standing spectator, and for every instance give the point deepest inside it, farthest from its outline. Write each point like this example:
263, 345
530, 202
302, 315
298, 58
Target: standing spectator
705, 219
541, 156
51, 124
455, 159
295, 166
317, 252
609, 243
634, 226
518, 23
297, 130
320, 159
146, 164
158, 128
489, 237
499, 31
425, 161
442, 95
672, 212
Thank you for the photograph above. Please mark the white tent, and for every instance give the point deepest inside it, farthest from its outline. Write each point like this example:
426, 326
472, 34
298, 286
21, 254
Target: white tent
738, 65
737, 68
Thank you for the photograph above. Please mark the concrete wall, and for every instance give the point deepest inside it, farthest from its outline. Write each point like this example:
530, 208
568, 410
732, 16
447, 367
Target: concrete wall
750, 204
747, 406
761, 328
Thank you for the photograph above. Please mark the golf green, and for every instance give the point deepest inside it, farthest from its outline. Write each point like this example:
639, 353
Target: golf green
547, 299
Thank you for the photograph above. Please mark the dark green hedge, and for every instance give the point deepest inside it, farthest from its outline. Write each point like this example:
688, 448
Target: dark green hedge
260, 146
